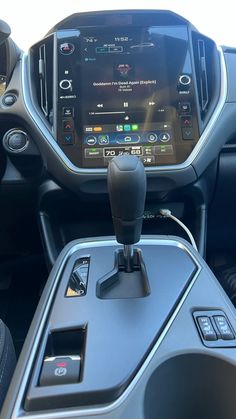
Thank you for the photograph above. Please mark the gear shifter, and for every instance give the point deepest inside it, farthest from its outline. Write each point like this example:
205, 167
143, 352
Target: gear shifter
127, 191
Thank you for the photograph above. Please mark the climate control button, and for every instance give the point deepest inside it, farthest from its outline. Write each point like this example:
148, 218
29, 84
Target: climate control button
152, 137
164, 137
127, 139
91, 140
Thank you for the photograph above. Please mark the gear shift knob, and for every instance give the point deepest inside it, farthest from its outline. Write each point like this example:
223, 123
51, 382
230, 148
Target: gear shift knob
127, 191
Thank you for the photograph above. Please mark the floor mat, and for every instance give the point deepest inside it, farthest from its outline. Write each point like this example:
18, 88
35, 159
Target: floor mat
21, 282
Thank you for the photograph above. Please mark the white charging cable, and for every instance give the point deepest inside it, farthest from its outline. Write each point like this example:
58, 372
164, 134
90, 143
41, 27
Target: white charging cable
166, 213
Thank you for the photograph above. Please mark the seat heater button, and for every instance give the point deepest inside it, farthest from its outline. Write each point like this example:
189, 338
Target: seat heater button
207, 330
224, 328
60, 370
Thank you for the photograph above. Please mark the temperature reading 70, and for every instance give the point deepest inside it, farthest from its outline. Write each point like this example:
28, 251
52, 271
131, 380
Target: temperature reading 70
110, 153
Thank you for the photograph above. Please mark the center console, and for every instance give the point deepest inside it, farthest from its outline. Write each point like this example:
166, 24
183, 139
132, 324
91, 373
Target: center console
128, 328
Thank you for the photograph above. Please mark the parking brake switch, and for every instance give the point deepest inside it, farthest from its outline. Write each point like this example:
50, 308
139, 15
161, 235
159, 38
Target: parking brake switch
60, 370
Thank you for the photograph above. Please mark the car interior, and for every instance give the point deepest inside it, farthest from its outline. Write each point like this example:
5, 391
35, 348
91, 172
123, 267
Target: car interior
117, 220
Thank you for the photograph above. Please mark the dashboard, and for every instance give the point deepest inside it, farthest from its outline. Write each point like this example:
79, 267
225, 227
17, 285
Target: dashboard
98, 85
103, 84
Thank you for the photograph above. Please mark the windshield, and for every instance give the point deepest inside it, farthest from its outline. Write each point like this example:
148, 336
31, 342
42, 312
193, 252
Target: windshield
30, 21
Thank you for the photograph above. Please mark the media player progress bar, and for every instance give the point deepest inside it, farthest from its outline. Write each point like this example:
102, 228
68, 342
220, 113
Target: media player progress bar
108, 113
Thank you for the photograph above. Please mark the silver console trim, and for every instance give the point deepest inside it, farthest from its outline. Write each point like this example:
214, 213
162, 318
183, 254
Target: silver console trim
74, 413
48, 137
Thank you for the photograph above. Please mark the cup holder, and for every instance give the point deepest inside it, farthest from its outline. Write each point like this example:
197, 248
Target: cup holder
192, 386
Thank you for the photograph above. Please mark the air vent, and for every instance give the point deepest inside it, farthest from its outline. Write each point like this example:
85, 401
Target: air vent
204, 93
43, 80
42, 76
207, 70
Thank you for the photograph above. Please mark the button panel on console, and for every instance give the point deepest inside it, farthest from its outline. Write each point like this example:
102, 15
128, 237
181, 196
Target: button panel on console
214, 328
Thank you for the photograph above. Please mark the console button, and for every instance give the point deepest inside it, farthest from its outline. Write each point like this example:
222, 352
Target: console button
127, 139
67, 125
60, 370
91, 140
65, 84
9, 99
67, 139
187, 134
148, 150
184, 79
93, 153
186, 121
223, 328
148, 160
17, 140
207, 330
103, 139
68, 112
152, 137
67, 48
184, 108
164, 149
164, 137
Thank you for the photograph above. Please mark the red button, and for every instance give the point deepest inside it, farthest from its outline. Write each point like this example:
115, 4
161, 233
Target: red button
186, 121
67, 125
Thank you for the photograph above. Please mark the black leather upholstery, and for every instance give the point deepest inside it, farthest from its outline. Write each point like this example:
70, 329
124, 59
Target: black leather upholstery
7, 360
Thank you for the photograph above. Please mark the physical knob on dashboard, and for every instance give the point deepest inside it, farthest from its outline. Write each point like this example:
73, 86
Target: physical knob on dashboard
185, 79
65, 84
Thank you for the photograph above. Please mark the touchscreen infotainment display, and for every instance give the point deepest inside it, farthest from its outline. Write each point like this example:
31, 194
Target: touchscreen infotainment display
125, 83
135, 94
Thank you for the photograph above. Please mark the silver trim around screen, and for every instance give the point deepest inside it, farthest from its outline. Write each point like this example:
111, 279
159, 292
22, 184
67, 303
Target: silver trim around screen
34, 115
102, 410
